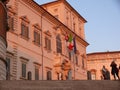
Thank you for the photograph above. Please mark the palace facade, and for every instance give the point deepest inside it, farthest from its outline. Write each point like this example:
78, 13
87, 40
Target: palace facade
40, 41
95, 62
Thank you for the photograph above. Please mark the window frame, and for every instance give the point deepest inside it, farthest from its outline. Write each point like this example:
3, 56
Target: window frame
10, 56
47, 43
37, 74
24, 61
24, 27
36, 67
23, 73
58, 44
37, 38
24, 30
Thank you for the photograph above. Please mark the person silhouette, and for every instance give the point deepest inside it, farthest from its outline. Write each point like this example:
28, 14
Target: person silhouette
105, 73
114, 70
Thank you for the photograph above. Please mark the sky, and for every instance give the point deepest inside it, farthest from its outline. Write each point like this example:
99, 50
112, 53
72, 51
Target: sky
102, 29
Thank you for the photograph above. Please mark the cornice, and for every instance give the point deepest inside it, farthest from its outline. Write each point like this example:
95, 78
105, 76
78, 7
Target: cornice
46, 14
99, 53
67, 4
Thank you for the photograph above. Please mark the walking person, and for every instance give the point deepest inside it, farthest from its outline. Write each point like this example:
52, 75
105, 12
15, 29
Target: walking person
114, 70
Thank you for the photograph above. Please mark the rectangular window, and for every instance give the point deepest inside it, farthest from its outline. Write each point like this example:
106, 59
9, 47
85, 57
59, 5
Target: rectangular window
24, 30
47, 43
58, 44
36, 38
36, 73
23, 70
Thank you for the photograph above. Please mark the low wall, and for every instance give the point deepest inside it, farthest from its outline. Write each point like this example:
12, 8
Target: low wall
60, 85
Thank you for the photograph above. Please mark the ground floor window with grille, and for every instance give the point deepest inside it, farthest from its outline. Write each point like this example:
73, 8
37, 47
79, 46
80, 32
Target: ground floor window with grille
37, 70
24, 70
24, 62
36, 73
9, 63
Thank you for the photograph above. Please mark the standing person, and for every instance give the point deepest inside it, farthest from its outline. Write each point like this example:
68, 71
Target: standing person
105, 73
114, 70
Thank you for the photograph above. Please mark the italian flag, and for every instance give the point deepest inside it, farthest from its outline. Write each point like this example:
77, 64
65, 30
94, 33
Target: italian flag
69, 40
71, 43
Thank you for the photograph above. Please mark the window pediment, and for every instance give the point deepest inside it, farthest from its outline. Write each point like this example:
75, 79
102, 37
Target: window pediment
48, 33
36, 26
11, 10
23, 59
37, 64
24, 18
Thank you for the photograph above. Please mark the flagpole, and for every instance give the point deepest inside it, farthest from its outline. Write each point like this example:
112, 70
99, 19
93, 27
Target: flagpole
74, 53
74, 64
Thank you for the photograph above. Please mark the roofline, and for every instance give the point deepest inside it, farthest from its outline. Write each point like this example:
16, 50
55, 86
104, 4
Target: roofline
107, 52
59, 22
68, 5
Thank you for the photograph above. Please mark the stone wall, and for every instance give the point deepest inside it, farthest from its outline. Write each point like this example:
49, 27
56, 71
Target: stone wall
95, 62
60, 85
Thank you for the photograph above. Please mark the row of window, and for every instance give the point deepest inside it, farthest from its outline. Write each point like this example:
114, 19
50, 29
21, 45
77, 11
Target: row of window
25, 35
29, 74
37, 37
25, 74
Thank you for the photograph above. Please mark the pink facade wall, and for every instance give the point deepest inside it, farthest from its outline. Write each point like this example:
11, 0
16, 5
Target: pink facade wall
21, 48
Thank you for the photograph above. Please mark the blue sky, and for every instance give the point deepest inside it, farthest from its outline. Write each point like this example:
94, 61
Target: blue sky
103, 27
